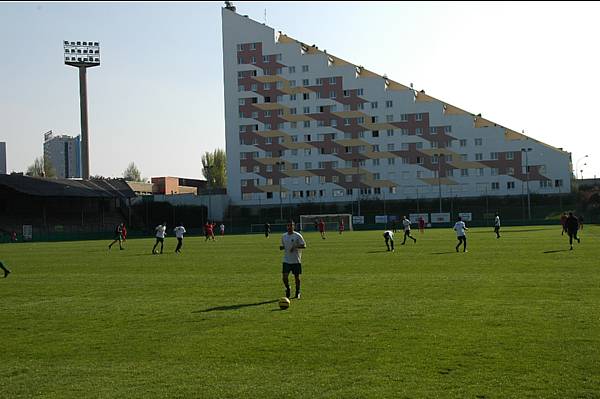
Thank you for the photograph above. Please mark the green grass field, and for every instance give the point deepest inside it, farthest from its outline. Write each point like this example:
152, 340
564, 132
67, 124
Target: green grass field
517, 317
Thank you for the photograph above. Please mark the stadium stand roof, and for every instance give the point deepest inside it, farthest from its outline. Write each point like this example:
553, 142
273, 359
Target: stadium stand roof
42, 187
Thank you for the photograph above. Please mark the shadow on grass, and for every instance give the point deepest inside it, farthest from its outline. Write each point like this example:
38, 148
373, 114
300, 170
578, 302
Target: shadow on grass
376, 252
234, 307
491, 231
443, 253
555, 251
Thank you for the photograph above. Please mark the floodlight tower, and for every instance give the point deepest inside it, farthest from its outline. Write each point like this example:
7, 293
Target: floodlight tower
83, 55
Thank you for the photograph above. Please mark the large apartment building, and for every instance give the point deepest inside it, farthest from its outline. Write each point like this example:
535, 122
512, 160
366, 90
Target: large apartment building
64, 153
304, 123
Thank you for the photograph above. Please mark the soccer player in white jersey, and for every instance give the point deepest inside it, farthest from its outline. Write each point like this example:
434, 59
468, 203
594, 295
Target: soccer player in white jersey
406, 224
497, 226
389, 239
179, 232
461, 229
161, 232
291, 243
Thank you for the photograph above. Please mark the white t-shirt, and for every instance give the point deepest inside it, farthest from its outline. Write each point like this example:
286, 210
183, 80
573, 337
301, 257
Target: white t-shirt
290, 244
406, 224
497, 221
222, 227
390, 232
460, 228
161, 231
179, 231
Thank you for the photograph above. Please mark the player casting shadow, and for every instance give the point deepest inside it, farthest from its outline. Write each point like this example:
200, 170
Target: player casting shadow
234, 307
556, 250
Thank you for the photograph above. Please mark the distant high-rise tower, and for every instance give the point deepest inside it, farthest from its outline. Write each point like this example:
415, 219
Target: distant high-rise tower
306, 125
64, 154
2, 158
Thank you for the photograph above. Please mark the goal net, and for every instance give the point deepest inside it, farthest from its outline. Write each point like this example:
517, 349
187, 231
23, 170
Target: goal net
332, 222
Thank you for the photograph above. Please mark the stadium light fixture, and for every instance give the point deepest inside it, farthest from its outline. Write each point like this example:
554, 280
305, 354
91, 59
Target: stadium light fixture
83, 55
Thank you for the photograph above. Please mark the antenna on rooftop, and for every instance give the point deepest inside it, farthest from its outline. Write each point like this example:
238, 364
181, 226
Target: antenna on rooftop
229, 5
265, 16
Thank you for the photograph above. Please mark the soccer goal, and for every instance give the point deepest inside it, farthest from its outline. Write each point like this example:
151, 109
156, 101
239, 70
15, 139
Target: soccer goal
332, 221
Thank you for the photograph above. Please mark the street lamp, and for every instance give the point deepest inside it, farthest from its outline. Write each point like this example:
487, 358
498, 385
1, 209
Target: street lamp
358, 184
439, 162
577, 164
209, 172
526, 151
83, 55
279, 167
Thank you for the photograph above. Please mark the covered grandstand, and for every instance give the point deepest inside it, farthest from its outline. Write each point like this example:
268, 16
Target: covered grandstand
62, 207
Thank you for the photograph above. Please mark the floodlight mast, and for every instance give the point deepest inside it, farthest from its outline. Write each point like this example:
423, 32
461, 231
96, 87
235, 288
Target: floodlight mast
83, 55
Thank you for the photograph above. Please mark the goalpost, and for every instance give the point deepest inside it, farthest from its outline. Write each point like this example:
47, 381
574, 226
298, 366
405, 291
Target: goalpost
332, 221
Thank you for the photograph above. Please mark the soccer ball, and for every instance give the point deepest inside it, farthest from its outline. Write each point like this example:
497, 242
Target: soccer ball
284, 303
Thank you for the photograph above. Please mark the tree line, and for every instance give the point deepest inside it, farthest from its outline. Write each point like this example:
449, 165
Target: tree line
214, 169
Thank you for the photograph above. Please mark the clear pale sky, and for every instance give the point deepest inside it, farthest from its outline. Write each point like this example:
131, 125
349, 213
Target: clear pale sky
157, 98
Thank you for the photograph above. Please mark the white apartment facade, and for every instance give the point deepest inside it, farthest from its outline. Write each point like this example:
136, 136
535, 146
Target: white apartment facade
313, 127
64, 153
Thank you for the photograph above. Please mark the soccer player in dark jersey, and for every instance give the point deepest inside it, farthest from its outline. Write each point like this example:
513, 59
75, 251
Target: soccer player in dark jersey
267, 230
572, 225
6, 271
118, 236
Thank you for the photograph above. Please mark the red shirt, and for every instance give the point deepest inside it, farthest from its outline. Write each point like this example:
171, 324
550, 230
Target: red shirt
208, 228
321, 227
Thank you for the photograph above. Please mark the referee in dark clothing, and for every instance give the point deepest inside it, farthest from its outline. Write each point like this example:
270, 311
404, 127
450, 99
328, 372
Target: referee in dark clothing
572, 225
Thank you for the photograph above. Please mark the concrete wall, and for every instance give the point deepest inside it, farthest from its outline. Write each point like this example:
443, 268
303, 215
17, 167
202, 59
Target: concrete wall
216, 204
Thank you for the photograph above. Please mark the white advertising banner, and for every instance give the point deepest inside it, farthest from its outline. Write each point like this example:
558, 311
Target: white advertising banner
381, 219
466, 216
358, 220
414, 217
440, 218
27, 232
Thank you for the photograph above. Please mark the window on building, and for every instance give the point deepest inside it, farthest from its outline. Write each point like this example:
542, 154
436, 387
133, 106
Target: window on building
304, 68
419, 117
478, 141
479, 157
495, 186
389, 104
373, 104
292, 69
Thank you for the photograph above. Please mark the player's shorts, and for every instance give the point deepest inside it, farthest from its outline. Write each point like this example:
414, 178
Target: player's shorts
158, 239
118, 237
295, 268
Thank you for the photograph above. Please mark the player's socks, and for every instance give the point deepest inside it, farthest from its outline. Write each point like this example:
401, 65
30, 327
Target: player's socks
297, 295
288, 292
